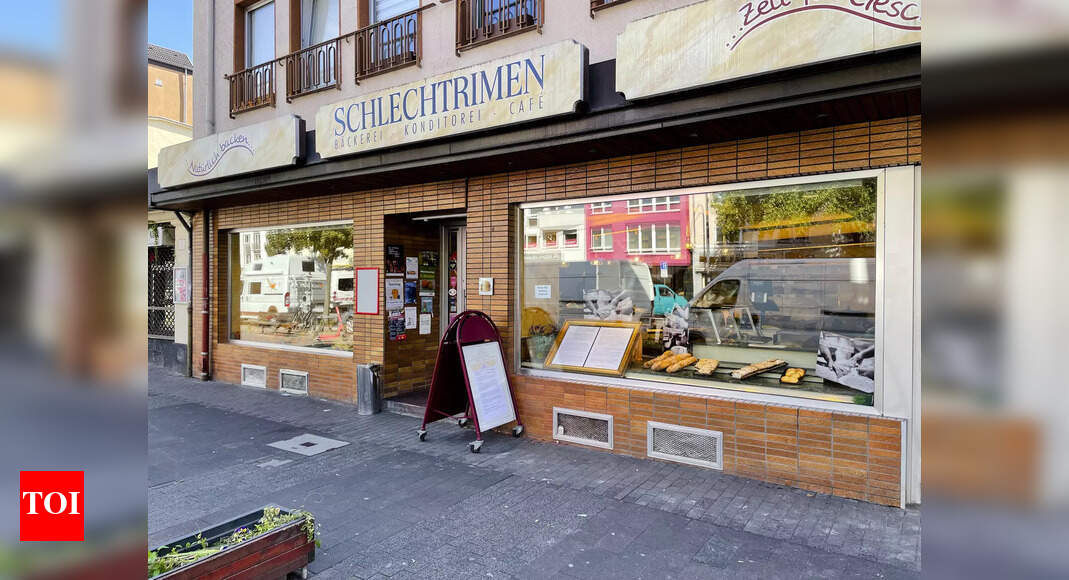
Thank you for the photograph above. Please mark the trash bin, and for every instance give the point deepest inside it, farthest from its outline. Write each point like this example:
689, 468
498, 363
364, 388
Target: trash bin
368, 389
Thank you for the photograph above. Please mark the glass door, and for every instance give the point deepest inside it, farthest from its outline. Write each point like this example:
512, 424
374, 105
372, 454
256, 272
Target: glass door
453, 244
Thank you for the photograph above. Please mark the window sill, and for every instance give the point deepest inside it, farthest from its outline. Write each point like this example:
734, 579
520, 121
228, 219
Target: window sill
713, 390
291, 348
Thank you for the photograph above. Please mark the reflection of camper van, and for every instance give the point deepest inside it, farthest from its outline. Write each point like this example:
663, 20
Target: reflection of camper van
631, 278
282, 283
786, 302
341, 288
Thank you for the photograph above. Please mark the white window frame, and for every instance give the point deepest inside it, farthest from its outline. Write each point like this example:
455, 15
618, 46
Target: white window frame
575, 235
248, 35
602, 233
895, 390
656, 204
652, 231
599, 208
556, 239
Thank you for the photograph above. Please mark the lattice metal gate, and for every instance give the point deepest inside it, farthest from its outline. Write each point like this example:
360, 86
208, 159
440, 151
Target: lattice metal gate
161, 292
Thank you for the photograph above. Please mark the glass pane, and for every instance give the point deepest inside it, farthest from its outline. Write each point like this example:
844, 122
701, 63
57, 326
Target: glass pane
319, 21
782, 273
260, 35
300, 292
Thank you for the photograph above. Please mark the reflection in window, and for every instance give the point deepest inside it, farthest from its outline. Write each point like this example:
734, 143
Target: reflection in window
282, 297
745, 276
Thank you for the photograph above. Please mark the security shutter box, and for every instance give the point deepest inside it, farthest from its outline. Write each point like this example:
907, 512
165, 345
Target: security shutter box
690, 445
293, 382
254, 376
582, 427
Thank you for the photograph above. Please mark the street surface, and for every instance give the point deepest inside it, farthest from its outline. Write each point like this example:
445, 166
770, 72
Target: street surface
392, 507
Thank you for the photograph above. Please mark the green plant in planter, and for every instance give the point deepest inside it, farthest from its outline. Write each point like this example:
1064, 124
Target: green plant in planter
540, 340
272, 519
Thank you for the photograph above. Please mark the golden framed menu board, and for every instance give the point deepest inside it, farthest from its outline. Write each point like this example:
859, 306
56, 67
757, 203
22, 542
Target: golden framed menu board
594, 346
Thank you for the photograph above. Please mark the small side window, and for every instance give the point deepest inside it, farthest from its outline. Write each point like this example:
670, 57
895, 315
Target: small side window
722, 294
308, 266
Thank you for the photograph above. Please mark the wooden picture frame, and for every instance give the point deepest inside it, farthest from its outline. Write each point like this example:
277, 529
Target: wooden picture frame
625, 358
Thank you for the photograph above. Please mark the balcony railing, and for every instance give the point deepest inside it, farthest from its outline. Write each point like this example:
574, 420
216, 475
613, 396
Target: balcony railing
312, 69
390, 44
252, 88
596, 5
480, 21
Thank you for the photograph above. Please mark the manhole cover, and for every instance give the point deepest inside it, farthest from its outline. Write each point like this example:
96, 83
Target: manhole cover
308, 444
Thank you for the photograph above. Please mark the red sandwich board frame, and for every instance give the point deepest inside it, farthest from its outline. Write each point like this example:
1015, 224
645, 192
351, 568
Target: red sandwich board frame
446, 399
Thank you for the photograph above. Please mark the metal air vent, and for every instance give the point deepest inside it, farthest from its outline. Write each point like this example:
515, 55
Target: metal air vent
254, 376
585, 428
685, 444
293, 382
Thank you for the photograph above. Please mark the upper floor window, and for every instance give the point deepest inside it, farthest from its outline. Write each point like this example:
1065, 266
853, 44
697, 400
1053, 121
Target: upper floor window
653, 204
259, 33
319, 21
382, 10
571, 238
601, 207
482, 20
601, 239
653, 239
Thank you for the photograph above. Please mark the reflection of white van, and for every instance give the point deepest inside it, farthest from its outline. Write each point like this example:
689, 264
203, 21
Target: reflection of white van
341, 288
787, 302
282, 283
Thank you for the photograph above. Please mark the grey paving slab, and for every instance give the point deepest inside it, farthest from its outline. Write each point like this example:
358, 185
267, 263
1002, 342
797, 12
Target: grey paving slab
396, 507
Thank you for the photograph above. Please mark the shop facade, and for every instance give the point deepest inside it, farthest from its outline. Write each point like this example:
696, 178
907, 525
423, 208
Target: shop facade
732, 223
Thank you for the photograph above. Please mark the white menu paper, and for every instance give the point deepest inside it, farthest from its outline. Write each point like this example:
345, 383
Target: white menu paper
489, 384
575, 346
609, 348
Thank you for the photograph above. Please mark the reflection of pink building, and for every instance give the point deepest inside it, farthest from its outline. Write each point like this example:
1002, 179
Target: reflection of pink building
650, 229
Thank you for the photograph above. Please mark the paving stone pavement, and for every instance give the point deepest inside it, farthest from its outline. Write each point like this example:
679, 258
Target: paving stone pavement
392, 506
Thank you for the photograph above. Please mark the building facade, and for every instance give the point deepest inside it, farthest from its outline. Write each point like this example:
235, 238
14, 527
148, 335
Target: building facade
170, 122
738, 182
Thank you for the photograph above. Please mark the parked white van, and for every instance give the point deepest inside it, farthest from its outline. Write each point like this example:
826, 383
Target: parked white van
786, 302
282, 284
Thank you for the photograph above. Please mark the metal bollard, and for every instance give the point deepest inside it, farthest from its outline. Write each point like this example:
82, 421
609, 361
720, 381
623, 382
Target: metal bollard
368, 389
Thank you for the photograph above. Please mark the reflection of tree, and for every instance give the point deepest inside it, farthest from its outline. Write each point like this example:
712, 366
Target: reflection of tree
327, 245
737, 211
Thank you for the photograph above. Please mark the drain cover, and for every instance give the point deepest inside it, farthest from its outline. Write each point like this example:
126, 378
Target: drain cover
308, 444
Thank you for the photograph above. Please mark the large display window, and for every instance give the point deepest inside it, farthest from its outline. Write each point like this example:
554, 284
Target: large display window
767, 289
292, 286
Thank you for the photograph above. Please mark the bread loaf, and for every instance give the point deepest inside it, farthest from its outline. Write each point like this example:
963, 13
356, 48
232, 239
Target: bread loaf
682, 364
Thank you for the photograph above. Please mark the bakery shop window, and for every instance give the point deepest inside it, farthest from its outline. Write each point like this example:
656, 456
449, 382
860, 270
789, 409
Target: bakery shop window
767, 289
292, 286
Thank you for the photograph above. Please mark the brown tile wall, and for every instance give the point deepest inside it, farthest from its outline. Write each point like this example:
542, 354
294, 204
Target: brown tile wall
838, 453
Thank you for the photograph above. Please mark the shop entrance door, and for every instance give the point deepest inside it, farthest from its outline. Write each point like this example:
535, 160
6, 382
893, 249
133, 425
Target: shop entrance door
453, 250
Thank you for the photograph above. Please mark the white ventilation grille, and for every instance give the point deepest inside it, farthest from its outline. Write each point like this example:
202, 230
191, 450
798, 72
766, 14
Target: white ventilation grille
685, 444
254, 376
583, 427
293, 382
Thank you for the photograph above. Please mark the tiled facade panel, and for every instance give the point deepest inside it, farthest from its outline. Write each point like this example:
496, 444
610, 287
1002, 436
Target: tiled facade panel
843, 454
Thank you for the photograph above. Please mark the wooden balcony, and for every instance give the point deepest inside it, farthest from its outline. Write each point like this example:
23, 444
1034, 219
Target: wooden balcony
312, 69
390, 44
480, 21
252, 88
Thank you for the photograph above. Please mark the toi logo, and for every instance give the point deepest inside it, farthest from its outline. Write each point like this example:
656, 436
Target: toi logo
50, 506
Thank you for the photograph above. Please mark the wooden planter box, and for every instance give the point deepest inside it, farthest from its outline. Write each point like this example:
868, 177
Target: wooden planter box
271, 555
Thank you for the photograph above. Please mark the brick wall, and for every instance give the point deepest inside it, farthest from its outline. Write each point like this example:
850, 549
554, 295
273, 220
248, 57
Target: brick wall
844, 454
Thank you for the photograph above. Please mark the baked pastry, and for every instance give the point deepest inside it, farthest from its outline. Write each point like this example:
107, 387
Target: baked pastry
658, 358
706, 366
691, 359
792, 376
757, 368
667, 362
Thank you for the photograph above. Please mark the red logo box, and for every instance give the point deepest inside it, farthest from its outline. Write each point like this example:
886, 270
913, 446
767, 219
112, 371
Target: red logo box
51, 506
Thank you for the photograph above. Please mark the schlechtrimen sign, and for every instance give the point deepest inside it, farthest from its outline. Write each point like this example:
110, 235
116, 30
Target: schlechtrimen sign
266, 145
718, 40
537, 84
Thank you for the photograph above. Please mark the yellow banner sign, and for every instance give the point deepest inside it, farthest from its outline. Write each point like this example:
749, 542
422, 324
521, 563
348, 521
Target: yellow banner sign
719, 40
541, 83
